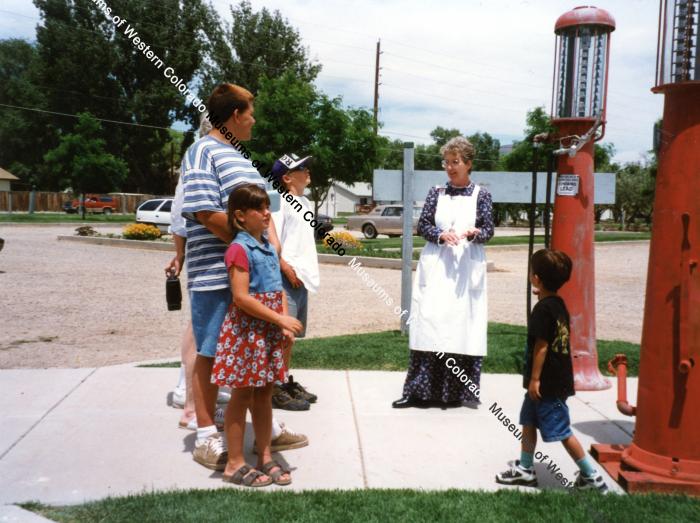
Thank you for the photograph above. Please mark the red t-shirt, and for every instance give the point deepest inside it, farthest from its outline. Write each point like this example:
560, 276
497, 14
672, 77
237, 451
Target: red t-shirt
235, 255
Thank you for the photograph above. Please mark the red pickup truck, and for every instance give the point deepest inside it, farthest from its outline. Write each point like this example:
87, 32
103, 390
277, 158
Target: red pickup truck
93, 203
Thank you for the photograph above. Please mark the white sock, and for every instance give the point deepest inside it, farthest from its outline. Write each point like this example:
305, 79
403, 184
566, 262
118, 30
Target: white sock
204, 432
276, 429
181, 379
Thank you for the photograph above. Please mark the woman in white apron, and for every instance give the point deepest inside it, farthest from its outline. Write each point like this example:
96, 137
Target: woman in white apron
448, 321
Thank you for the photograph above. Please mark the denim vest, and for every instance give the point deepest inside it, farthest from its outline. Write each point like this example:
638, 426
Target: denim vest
264, 266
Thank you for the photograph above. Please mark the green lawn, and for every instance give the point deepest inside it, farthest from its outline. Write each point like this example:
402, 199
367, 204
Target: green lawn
378, 505
374, 248
62, 217
389, 351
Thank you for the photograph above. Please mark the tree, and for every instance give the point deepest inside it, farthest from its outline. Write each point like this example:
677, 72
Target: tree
441, 136
80, 159
634, 192
487, 151
342, 141
24, 135
256, 45
390, 153
87, 65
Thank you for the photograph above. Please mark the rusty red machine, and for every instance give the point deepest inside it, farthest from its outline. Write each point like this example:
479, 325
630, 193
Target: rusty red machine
665, 452
582, 51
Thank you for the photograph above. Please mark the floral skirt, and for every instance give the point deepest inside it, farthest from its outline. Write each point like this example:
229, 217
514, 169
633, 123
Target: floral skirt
250, 351
429, 377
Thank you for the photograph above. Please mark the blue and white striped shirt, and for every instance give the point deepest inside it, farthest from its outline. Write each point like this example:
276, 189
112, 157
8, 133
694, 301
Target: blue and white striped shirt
211, 170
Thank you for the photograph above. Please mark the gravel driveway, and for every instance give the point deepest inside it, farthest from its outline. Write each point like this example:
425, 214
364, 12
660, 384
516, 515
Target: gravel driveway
65, 304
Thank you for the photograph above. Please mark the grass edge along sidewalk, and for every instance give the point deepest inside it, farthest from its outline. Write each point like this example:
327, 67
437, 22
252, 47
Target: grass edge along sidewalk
388, 351
404, 505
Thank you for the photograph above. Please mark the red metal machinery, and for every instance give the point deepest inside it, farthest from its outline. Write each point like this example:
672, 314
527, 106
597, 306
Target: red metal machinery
578, 113
665, 453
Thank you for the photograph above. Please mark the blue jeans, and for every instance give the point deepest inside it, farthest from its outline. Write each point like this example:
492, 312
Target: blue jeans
208, 312
550, 415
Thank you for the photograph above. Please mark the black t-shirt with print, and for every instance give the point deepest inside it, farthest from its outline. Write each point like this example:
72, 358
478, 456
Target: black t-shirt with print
550, 321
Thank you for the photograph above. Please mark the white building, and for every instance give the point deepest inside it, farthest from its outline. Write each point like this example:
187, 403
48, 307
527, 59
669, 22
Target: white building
342, 197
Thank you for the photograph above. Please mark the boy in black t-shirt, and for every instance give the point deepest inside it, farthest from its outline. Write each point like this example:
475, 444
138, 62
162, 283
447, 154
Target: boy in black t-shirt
548, 377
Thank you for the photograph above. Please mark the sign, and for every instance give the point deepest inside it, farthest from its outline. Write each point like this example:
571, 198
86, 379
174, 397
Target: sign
505, 187
567, 184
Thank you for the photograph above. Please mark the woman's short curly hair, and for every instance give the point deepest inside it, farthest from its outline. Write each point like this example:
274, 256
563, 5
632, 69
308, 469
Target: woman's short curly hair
204, 125
461, 146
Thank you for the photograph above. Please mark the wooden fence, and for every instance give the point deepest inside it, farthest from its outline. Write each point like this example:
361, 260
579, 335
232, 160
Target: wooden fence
18, 201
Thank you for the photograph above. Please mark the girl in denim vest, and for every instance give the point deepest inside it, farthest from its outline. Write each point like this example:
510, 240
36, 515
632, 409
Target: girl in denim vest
253, 338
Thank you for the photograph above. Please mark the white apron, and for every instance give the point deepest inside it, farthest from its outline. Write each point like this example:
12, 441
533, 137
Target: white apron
448, 304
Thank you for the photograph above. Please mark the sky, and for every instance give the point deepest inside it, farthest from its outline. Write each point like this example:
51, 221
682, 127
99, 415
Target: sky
477, 66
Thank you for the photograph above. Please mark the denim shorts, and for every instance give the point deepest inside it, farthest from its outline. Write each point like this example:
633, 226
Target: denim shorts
297, 303
208, 312
550, 415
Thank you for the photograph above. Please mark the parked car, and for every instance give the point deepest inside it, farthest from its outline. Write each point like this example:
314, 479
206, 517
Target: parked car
155, 212
327, 225
93, 203
383, 219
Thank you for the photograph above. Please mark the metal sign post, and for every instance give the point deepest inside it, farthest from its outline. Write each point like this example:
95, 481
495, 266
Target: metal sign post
407, 238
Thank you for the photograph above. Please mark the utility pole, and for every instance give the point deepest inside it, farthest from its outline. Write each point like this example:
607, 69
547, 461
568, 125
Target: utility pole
376, 88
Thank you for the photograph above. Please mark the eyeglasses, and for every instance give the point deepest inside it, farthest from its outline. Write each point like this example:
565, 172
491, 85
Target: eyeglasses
454, 163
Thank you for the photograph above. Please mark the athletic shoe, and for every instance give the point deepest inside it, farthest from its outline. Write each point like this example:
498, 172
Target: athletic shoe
281, 399
212, 453
288, 440
595, 482
178, 400
296, 391
517, 475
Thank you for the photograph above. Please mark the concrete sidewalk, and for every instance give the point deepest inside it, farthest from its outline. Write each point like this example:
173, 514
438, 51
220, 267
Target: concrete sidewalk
73, 435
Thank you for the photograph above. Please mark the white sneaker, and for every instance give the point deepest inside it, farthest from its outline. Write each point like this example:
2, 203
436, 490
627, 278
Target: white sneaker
595, 482
178, 401
517, 475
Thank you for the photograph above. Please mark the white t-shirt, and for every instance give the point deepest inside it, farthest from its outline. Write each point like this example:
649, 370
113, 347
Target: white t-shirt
298, 244
177, 222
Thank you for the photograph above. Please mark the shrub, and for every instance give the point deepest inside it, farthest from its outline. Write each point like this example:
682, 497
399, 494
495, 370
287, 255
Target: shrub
141, 231
347, 240
85, 230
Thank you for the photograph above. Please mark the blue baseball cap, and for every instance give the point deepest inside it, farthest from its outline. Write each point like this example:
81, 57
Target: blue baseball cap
288, 162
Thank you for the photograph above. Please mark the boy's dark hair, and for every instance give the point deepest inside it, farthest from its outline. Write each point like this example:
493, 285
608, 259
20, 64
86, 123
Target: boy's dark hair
248, 196
552, 267
225, 99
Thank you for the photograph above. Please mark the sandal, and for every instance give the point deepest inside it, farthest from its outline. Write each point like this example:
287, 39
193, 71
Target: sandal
267, 467
246, 476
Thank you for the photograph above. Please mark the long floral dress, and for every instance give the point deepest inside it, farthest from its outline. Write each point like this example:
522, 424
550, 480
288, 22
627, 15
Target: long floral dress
428, 377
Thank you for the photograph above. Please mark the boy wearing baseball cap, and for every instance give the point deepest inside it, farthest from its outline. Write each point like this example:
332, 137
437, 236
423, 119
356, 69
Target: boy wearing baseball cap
298, 261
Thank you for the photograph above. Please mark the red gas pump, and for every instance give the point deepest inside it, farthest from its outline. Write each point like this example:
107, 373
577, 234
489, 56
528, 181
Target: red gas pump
578, 114
665, 452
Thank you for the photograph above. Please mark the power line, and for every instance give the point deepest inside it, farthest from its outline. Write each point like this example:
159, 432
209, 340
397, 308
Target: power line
469, 73
457, 100
449, 84
277, 69
77, 116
